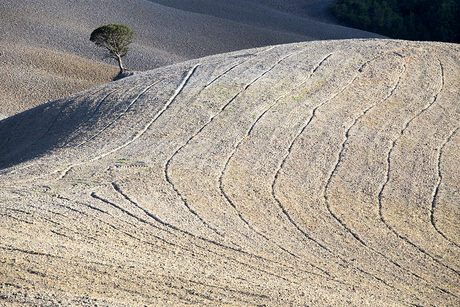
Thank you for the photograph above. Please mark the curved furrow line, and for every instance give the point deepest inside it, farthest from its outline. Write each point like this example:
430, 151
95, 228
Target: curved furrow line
319, 65
387, 180
68, 207
88, 119
139, 219
159, 113
286, 156
50, 127
80, 203
119, 115
186, 204
155, 218
334, 170
147, 88
268, 70
29, 252
383, 281
118, 189
143, 221
57, 117
40, 138
15, 218
142, 131
235, 148
436, 190
233, 67
238, 250
93, 195
289, 150
227, 198
169, 161
107, 213
7, 140
188, 141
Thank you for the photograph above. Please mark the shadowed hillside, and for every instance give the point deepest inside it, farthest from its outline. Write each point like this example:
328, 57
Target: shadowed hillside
317, 174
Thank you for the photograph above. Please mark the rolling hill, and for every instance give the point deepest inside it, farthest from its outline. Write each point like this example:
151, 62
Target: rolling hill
317, 173
45, 52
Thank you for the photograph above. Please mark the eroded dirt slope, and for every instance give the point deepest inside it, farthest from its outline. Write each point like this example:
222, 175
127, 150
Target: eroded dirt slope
310, 174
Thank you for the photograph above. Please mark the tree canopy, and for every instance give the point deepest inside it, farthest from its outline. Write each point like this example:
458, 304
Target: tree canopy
434, 20
115, 38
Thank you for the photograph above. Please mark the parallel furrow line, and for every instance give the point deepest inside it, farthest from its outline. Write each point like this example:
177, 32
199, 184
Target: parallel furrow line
29, 252
95, 196
49, 128
226, 289
117, 188
387, 175
17, 219
319, 65
233, 67
70, 208
146, 127
436, 190
169, 161
235, 148
8, 139
155, 218
132, 215
339, 160
267, 71
15, 170
89, 118
289, 150
238, 250
83, 204
63, 107
40, 138
119, 115
438, 184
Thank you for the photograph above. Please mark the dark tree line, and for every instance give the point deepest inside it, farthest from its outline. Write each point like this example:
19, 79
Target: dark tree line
429, 20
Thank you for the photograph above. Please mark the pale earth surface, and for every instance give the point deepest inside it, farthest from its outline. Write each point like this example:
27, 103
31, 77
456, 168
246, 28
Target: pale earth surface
312, 174
309, 174
45, 52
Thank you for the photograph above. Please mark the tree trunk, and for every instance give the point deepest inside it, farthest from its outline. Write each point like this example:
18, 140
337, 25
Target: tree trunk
120, 64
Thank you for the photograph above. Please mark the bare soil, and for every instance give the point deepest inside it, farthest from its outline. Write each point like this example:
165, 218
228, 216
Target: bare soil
309, 174
46, 54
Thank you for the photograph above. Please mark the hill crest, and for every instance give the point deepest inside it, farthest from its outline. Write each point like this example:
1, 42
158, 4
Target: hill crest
318, 173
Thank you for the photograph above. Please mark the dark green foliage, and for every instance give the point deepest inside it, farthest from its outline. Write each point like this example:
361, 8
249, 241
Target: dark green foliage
435, 20
115, 38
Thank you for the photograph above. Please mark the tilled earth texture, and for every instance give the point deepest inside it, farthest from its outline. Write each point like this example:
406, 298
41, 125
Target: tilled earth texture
310, 174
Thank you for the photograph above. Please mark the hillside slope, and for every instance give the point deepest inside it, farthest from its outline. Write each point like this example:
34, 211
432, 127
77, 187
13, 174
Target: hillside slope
317, 174
45, 52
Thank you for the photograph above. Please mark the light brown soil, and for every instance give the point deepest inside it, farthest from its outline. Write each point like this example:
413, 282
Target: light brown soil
46, 54
312, 174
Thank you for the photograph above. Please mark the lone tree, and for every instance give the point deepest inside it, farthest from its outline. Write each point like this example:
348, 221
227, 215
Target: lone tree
115, 38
